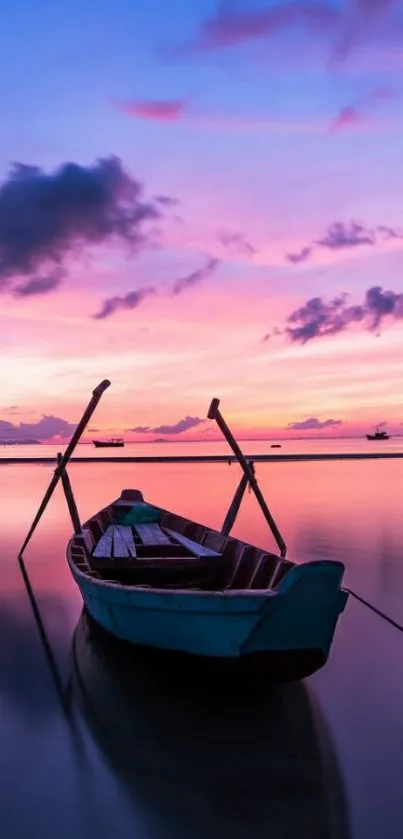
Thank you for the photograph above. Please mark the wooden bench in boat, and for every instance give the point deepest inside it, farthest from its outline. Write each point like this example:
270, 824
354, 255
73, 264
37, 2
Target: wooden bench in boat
117, 541
151, 534
195, 547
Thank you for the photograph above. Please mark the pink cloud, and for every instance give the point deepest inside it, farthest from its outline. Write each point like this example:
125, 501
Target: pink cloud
179, 110
168, 110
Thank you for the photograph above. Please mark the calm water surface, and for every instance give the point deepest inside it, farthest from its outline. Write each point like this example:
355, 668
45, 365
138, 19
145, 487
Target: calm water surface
156, 753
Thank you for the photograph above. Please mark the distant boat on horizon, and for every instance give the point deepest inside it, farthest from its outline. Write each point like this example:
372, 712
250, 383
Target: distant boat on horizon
379, 435
113, 443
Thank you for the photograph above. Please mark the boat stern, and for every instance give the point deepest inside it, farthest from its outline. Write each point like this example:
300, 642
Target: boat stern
309, 602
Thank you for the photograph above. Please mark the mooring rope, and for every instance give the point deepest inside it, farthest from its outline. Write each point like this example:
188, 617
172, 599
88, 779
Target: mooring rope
375, 609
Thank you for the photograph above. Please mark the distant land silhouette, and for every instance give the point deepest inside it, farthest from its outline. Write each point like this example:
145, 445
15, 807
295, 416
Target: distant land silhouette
27, 442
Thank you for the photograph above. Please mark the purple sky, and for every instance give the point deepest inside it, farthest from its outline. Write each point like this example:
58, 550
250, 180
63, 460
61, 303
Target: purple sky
215, 208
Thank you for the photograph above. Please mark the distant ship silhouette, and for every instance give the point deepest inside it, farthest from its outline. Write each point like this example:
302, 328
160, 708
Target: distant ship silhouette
379, 435
115, 442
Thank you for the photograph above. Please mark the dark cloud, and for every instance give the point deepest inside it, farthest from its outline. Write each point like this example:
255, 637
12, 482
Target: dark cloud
39, 285
130, 301
182, 425
168, 110
238, 243
341, 236
195, 277
313, 424
46, 428
318, 318
47, 217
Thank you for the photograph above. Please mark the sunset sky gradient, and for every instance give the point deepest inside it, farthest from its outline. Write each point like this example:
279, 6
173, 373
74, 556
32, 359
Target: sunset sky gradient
216, 210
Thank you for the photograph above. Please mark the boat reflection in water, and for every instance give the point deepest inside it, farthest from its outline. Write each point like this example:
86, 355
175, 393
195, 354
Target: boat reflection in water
205, 757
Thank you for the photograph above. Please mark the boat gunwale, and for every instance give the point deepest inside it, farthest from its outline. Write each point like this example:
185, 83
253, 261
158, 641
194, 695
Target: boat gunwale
223, 593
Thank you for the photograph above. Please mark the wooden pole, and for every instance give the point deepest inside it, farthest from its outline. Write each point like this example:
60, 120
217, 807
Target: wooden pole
214, 413
96, 395
236, 503
71, 502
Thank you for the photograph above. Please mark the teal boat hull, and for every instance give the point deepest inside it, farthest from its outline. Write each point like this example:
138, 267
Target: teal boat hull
290, 629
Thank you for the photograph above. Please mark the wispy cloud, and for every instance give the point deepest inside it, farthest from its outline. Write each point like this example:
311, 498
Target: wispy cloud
47, 217
14, 410
313, 424
230, 26
301, 256
167, 200
132, 300
318, 318
196, 277
165, 110
238, 243
343, 25
340, 236
40, 285
184, 424
193, 118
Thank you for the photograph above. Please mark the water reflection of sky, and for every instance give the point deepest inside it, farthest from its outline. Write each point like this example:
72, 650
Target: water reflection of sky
348, 511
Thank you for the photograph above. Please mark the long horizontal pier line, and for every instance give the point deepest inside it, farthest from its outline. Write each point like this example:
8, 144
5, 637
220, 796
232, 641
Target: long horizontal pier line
213, 458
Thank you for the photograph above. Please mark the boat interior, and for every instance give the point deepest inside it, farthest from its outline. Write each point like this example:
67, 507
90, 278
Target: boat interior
169, 552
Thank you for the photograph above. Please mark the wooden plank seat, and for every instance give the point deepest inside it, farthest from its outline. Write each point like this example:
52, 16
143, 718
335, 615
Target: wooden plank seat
195, 547
151, 534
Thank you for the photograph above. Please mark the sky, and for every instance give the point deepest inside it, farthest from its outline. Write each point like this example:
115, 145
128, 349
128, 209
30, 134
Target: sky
196, 200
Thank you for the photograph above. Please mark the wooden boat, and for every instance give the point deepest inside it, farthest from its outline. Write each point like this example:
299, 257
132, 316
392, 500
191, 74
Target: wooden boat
157, 579
178, 585
114, 443
201, 753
